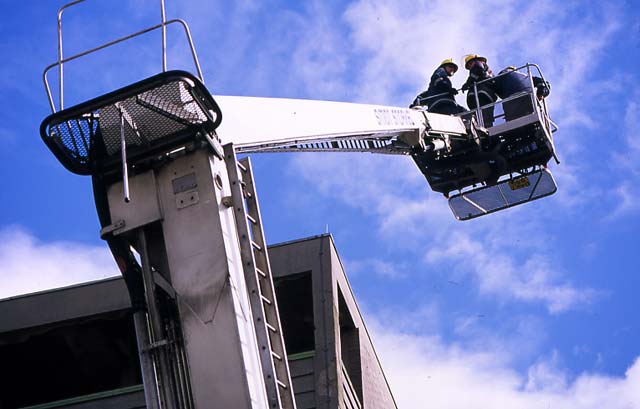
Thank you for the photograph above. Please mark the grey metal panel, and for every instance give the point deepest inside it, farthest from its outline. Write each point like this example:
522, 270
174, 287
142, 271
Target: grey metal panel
203, 256
143, 207
63, 304
514, 124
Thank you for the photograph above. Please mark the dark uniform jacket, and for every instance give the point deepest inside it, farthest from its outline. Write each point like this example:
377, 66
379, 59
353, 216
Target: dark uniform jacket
479, 71
439, 96
510, 82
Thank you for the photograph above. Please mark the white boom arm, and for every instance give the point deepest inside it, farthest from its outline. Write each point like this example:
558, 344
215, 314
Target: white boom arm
278, 124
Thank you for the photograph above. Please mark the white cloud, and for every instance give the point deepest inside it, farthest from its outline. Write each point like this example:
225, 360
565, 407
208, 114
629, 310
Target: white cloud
547, 375
423, 372
530, 278
28, 264
379, 267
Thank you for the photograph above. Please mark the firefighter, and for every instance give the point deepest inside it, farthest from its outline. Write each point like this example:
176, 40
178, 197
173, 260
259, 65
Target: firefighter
510, 82
480, 75
440, 95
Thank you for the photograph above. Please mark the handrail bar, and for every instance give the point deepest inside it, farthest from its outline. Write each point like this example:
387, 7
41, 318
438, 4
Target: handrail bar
510, 98
347, 380
60, 56
527, 66
163, 18
61, 70
540, 107
113, 42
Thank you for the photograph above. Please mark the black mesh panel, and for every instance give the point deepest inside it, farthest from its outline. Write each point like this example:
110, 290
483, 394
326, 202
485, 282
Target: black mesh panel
164, 110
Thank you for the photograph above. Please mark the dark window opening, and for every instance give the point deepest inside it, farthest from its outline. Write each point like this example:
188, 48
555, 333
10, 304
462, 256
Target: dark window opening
295, 305
70, 359
350, 345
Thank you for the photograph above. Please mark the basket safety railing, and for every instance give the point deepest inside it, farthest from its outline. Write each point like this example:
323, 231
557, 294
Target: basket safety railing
61, 60
540, 105
537, 105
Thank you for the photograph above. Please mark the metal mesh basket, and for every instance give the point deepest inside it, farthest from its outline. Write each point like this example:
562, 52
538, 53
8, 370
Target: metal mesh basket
507, 193
155, 115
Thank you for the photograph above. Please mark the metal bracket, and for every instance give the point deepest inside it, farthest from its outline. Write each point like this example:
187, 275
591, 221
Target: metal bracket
216, 146
123, 148
227, 201
107, 230
164, 285
447, 142
187, 199
156, 345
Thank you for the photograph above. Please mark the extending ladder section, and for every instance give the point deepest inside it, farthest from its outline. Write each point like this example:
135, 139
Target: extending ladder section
384, 144
259, 280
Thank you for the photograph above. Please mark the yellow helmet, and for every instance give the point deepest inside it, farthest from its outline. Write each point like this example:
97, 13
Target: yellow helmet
470, 57
449, 61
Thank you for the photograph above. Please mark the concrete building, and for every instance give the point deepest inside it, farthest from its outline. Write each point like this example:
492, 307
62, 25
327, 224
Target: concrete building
75, 347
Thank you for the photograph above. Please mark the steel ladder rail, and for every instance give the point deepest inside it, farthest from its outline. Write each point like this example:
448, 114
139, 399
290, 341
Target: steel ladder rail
259, 279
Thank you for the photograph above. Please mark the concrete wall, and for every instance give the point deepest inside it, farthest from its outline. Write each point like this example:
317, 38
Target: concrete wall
70, 348
319, 255
318, 376
63, 304
303, 378
314, 255
376, 392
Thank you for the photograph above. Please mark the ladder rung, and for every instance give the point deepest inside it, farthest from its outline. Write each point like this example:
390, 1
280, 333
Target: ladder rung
254, 251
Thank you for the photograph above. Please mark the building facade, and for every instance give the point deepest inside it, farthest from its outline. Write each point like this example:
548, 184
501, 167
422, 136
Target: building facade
75, 347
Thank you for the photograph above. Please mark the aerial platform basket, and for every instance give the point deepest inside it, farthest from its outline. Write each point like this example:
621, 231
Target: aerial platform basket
132, 124
505, 163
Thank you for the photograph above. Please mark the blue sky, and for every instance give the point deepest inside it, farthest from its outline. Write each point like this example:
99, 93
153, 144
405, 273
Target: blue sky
534, 307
